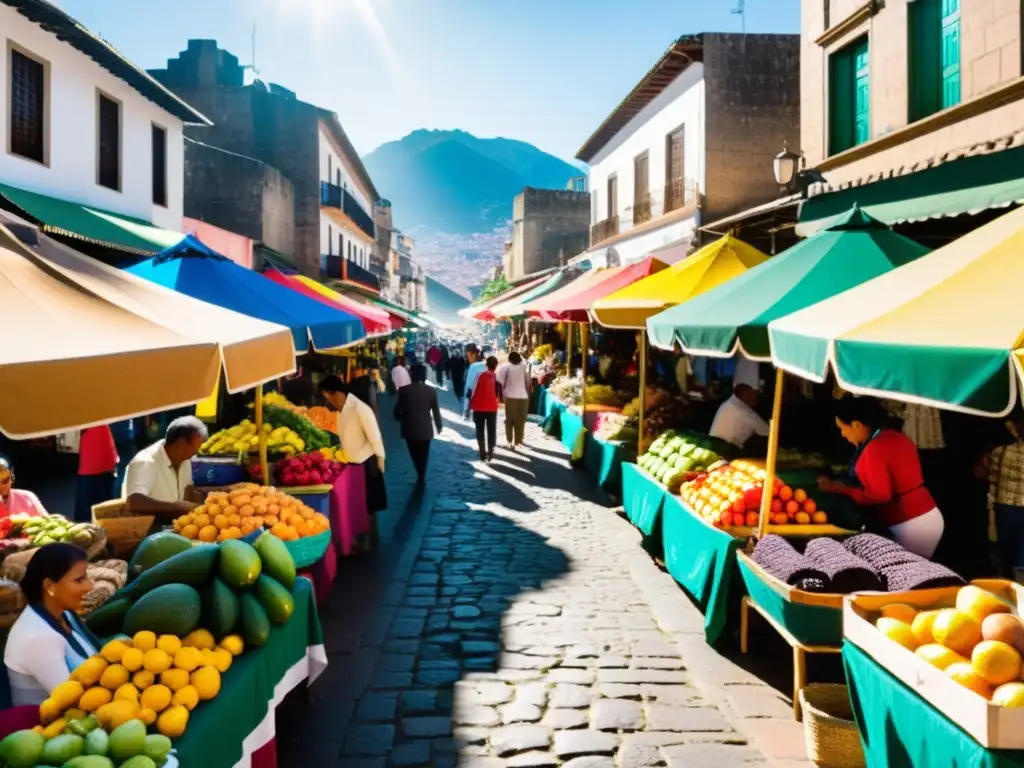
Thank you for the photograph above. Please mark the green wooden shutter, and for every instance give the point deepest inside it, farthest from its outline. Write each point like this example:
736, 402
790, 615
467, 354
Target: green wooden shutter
950, 52
862, 91
924, 58
840, 102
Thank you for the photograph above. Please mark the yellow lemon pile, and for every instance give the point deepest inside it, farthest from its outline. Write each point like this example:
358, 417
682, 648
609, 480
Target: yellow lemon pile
156, 679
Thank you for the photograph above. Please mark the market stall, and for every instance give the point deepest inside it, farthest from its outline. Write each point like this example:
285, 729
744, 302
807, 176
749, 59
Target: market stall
376, 322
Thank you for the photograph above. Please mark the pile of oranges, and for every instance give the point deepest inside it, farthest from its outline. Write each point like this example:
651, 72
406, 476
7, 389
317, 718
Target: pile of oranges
248, 507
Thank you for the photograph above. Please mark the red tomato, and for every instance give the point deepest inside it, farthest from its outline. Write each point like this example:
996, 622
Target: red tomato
776, 506
785, 493
810, 507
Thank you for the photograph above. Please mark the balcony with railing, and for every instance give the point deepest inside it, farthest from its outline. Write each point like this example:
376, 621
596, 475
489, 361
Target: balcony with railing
604, 229
333, 196
340, 268
680, 193
642, 209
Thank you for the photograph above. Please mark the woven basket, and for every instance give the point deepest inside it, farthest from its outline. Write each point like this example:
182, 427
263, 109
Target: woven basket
830, 734
307, 551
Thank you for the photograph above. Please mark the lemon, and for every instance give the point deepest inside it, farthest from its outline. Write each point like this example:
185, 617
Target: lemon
127, 692
49, 711
233, 644
156, 661
200, 638
156, 697
221, 659
206, 680
148, 716
132, 659
173, 722
94, 698
187, 697
114, 677
144, 640
143, 679
116, 713
188, 659
169, 644
113, 651
89, 671
67, 694
175, 679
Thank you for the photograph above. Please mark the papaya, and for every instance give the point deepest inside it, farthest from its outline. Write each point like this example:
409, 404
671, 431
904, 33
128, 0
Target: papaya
171, 609
240, 564
277, 560
109, 617
253, 623
220, 608
154, 549
275, 599
194, 567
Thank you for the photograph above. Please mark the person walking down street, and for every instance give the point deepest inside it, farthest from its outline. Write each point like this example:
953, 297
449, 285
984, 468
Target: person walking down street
442, 367
483, 402
457, 374
419, 414
477, 365
400, 374
97, 470
513, 380
361, 440
434, 361
363, 385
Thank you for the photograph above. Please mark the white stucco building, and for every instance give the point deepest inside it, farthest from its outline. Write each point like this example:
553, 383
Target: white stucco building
83, 125
346, 203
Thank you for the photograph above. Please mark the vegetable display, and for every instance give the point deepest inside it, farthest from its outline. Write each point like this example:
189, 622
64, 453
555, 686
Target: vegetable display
307, 469
48, 529
673, 459
246, 508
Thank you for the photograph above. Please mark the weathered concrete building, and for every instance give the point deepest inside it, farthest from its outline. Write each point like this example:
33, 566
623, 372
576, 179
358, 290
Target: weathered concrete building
549, 227
332, 193
693, 140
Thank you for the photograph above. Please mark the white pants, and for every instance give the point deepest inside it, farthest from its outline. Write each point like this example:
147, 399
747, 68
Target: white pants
921, 535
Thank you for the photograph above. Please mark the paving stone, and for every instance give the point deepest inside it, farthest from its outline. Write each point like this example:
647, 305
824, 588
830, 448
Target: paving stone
584, 742
621, 691
520, 711
480, 647
519, 738
410, 753
658, 676
377, 707
572, 696
369, 740
417, 701
532, 760
617, 715
470, 735
575, 676
475, 714
653, 662
426, 726
465, 611
484, 693
438, 676
392, 662
591, 761
718, 755
522, 661
669, 717
565, 719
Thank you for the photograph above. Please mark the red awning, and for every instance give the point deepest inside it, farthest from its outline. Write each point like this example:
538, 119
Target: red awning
572, 303
483, 313
375, 321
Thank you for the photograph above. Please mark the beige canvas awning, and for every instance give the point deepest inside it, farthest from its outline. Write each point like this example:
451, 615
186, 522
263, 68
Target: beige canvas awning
86, 343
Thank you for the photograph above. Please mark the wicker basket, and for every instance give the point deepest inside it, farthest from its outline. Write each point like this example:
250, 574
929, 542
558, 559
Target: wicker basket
830, 733
308, 550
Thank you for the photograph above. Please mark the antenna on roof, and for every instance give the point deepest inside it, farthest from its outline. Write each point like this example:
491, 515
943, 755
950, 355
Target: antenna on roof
252, 66
740, 9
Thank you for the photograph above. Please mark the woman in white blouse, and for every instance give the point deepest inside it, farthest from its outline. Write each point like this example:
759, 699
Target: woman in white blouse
361, 440
48, 641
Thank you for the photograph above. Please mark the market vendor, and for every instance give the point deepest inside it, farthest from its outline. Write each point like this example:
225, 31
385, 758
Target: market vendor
158, 480
16, 501
886, 474
48, 641
736, 421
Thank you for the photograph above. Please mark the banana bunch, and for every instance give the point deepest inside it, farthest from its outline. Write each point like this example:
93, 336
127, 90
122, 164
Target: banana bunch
245, 438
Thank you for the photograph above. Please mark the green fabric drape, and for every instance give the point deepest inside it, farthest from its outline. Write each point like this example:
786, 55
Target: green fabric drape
642, 498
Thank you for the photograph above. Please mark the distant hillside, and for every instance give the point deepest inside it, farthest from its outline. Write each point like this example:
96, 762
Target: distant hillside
454, 182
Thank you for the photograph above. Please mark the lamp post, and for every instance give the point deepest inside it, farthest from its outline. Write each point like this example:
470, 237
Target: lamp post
792, 174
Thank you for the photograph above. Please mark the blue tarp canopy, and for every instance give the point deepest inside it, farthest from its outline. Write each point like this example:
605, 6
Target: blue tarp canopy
192, 268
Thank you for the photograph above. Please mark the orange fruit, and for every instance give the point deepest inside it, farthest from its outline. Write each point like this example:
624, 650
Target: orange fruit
964, 674
996, 662
202, 520
234, 521
221, 521
800, 495
208, 533
810, 507
956, 630
212, 509
271, 520
820, 518
273, 509
190, 531
801, 518
230, 509
785, 493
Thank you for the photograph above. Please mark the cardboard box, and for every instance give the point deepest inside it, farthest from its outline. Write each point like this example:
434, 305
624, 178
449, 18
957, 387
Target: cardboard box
124, 531
991, 726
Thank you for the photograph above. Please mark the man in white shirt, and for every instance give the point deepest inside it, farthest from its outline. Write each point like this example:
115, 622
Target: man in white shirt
400, 374
158, 481
514, 389
737, 421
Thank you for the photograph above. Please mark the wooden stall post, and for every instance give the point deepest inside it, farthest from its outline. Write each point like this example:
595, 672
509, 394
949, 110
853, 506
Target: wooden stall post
642, 343
773, 450
568, 349
258, 409
584, 359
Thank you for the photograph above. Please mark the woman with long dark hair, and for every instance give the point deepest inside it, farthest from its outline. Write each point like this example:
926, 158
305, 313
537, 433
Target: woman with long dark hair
886, 474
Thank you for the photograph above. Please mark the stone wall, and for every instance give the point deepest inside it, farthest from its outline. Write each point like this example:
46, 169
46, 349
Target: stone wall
550, 226
752, 86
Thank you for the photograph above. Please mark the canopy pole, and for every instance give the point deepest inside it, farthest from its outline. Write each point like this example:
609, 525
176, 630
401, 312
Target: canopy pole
348, 368
642, 343
773, 450
264, 467
584, 359
568, 348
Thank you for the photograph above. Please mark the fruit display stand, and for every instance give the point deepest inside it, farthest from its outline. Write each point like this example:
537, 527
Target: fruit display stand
229, 730
911, 713
642, 498
809, 622
604, 460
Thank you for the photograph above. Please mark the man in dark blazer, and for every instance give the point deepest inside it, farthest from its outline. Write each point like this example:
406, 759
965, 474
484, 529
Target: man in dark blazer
417, 406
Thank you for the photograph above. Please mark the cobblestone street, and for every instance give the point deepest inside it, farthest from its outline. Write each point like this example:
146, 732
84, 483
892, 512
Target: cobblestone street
512, 619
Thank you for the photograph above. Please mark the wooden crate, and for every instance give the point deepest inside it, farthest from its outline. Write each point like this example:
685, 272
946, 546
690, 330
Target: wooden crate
124, 531
991, 726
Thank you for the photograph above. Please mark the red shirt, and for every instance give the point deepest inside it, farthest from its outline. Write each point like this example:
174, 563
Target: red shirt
889, 468
485, 394
97, 454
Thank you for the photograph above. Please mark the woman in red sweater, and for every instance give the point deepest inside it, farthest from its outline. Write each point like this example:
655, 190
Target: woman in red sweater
483, 402
886, 475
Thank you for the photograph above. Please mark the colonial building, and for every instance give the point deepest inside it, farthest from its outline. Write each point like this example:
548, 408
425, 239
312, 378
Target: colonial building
332, 194
549, 227
913, 109
693, 140
92, 146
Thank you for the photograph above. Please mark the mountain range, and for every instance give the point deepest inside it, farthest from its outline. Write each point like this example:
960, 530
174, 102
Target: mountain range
456, 183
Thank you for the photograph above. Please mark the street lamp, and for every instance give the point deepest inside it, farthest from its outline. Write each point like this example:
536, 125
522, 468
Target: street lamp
791, 172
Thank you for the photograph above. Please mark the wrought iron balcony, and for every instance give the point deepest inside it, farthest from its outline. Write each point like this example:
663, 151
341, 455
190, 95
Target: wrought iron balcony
340, 268
604, 229
642, 209
333, 196
679, 193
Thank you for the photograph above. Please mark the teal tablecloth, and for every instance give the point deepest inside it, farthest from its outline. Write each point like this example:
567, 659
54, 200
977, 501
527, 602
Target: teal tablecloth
703, 560
572, 425
240, 719
553, 410
642, 498
542, 401
899, 729
603, 461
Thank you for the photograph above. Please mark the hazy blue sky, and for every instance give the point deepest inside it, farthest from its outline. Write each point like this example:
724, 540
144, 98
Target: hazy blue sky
544, 71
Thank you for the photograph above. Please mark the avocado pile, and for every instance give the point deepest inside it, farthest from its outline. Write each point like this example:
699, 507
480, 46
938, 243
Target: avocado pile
673, 459
48, 529
235, 587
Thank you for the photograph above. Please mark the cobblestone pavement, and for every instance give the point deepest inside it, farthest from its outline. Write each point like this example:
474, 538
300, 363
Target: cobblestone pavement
514, 620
